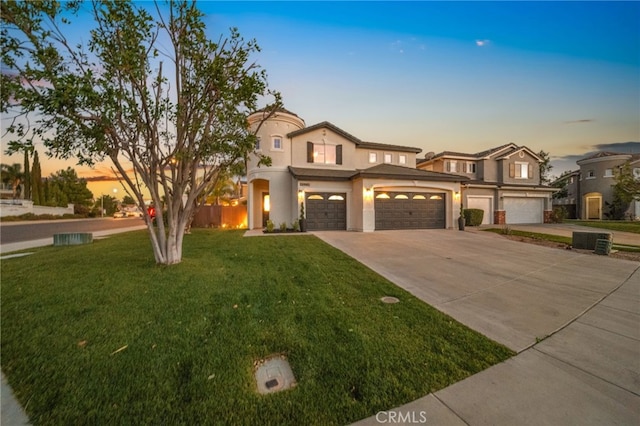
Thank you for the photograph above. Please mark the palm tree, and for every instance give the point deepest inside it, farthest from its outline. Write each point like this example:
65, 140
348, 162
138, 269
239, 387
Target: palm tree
12, 176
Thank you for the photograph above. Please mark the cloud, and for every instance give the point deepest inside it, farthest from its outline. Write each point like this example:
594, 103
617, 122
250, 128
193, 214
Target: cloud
568, 162
584, 120
481, 43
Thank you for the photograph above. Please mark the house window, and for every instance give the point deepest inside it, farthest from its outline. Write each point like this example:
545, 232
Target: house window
521, 170
373, 157
388, 158
571, 179
402, 159
277, 143
591, 174
258, 143
636, 172
608, 173
451, 166
469, 167
322, 153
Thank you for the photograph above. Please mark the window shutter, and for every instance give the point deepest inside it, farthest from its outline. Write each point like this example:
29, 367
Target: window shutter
339, 154
530, 171
512, 170
309, 152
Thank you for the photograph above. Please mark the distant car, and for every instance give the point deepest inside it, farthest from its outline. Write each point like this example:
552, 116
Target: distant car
134, 213
117, 215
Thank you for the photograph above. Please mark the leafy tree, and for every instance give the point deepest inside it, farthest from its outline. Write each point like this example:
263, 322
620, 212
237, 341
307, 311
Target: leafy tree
12, 176
66, 187
37, 185
106, 202
127, 199
625, 190
152, 93
545, 167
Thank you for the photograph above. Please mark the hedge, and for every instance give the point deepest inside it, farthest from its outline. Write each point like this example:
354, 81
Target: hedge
473, 217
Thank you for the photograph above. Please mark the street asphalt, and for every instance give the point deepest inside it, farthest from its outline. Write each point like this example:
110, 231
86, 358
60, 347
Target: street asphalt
573, 319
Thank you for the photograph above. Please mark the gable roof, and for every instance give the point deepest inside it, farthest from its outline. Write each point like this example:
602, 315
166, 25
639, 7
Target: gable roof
387, 171
358, 142
505, 151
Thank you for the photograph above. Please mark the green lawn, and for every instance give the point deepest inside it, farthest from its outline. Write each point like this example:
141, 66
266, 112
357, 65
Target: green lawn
192, 332
614, 225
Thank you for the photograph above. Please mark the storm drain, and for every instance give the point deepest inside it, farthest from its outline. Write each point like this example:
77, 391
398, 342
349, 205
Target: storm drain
274, 374
389, 299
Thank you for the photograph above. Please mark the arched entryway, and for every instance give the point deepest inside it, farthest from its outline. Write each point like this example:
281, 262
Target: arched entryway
593, 206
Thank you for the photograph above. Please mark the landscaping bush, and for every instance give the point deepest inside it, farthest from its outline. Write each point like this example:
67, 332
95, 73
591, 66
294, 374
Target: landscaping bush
559, 214
473, 217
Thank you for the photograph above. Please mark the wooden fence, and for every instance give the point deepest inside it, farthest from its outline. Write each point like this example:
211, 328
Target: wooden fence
220, 217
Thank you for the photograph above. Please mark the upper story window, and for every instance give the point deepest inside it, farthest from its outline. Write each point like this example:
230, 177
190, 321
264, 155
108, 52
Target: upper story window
608, 173
521, 170
373, 157
276, 143
591, 174
402, 159
469, 167
388, 158
451, 166
258, 143
322, 153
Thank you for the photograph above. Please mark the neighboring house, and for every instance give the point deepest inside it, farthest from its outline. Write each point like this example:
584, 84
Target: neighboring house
594, 184
569, 196
503, 181
342, 182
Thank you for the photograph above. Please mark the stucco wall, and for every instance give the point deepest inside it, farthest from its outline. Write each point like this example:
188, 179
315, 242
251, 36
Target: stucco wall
20, 207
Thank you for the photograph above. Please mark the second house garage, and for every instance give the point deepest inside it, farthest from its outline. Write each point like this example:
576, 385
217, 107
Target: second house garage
409, 210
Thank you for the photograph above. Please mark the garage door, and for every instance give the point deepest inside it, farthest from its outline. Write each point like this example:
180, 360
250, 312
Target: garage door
482, 203
524, 210
409, 210
326, 211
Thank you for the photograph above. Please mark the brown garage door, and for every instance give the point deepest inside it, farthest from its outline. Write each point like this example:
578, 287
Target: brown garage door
326, 211
409, 210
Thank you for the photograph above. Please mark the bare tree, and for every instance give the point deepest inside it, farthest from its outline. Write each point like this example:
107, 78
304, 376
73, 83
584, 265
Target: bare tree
149, 91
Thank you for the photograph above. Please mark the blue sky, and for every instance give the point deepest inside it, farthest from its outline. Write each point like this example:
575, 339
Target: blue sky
563, 77
461, 76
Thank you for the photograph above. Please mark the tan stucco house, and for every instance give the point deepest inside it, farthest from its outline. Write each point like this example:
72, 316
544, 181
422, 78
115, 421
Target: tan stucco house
503, 181
344, 183
590, 189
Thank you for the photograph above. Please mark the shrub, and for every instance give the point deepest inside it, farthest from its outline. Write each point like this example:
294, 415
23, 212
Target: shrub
270, 226
296, 226
283, 227
473, 217
559, 214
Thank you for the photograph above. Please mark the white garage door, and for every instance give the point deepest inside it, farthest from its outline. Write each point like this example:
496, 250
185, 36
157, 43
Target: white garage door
482, 203
524, 210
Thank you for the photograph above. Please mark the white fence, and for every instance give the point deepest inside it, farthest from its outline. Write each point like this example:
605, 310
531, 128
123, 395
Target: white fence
20, 207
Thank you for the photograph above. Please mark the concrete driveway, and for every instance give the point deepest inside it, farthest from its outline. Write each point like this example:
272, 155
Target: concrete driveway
518, 294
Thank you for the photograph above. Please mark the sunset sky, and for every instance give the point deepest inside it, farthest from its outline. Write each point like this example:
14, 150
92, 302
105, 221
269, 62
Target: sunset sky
563, 77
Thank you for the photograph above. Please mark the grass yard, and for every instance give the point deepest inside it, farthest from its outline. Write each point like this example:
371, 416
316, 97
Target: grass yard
99, 334
614, 225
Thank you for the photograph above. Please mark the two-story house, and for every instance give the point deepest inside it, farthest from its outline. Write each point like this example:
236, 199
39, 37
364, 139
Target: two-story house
342, 182
596, 181
503, 181
569, 196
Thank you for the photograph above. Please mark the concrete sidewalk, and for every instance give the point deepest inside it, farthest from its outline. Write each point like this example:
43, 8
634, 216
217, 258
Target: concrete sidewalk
573, 318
